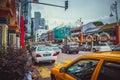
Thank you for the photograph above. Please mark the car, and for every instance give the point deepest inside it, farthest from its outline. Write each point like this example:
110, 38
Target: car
101, 47
71, 47
44, 54
57, 49
85, 47
93, 66
112, 45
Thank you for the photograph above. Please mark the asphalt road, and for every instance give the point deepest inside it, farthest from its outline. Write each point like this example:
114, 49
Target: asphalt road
45, 68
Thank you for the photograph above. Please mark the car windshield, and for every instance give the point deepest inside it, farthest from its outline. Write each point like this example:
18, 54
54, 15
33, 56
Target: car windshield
102, 44
44, 49
116, 48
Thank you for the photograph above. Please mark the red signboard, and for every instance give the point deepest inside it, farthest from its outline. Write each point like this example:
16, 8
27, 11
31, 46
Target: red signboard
22, 38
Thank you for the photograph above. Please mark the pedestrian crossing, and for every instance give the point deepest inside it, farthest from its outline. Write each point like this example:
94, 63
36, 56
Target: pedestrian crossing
45, 72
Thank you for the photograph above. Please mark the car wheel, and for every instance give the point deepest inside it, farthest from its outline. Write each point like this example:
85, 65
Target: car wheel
84, 49
94, 50
77, 52
53, 61
67, 52
53, 77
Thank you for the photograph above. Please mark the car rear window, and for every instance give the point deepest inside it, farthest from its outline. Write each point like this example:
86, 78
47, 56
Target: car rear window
44, 49
102, 44
109, 71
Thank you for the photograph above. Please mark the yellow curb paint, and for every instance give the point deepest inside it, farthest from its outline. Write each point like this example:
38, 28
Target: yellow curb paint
66, 61
43, 71
57, 64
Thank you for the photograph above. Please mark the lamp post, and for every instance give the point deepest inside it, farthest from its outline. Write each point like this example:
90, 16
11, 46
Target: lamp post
114, 9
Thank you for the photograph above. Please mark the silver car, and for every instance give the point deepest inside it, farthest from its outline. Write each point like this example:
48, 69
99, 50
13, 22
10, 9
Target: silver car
44, 54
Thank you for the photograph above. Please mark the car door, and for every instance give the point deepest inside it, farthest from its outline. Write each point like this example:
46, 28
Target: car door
110, 70
81, 70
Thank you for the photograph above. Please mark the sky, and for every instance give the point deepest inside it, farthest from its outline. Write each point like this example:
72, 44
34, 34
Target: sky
87, 10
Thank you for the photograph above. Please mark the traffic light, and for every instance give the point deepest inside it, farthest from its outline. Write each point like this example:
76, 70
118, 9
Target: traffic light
66, 4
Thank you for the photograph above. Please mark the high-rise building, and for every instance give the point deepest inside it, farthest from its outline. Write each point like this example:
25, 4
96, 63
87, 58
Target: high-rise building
37, 16
32, 26
118, 9
42, 23
26, 10
46, 27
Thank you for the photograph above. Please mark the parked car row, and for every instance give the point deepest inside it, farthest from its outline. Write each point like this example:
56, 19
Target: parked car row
71, 47
97, 48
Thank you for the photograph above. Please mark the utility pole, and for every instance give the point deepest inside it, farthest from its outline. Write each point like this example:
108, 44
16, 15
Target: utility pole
114, 9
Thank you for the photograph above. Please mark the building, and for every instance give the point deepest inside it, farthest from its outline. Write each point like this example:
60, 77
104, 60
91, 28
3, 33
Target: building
37, 17
32, 26
38, 34
9, 27
26, 11
62, 33
50, 36
42, 23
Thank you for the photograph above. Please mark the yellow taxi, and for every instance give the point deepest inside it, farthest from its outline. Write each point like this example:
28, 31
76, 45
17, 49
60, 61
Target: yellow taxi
94, 66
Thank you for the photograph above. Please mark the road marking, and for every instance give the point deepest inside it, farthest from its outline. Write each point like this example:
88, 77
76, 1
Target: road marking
57, 64
66, 61
45, 72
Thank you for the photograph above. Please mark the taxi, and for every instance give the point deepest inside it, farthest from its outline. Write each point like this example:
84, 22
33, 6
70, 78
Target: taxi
94, 66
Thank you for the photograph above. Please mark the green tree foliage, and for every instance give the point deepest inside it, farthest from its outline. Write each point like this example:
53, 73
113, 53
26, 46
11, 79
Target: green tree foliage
13, 64
98, 23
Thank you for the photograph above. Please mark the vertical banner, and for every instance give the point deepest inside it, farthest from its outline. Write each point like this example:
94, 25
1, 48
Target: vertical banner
81, 38
22, 36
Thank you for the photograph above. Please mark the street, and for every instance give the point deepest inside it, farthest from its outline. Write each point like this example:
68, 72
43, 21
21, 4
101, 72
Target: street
45, 68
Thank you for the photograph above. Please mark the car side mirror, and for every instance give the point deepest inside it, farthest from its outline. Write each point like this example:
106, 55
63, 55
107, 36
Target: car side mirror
63, 69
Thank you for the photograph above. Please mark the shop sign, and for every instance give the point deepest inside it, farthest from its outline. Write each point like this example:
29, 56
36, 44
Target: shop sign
96, 37
112, 38
89, 38
104, 37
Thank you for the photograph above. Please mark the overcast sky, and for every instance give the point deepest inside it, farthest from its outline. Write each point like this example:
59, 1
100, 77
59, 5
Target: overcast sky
87, 10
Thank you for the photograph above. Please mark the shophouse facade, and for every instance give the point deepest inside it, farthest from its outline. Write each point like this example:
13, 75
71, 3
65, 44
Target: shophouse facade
50, 36
9, 28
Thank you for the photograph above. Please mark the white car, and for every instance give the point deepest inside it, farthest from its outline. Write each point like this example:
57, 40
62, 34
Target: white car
44, 54
102, 47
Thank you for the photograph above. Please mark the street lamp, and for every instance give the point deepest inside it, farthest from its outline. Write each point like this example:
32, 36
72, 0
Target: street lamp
114, 9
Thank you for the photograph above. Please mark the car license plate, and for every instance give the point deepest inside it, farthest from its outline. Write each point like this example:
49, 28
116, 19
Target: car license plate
46, 54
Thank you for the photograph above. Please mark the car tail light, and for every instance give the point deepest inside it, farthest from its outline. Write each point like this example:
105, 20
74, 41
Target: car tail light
38, 55
55, 54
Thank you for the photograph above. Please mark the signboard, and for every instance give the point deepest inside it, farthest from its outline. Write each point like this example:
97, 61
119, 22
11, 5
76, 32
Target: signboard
104, 37
0, 37
89, 38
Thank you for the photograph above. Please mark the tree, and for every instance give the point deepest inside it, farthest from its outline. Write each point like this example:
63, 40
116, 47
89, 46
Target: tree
98, 23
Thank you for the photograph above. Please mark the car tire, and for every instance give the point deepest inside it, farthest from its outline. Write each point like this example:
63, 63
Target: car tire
53, 77
77, 52
68, 52
84, 49
53, 61
94, 50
